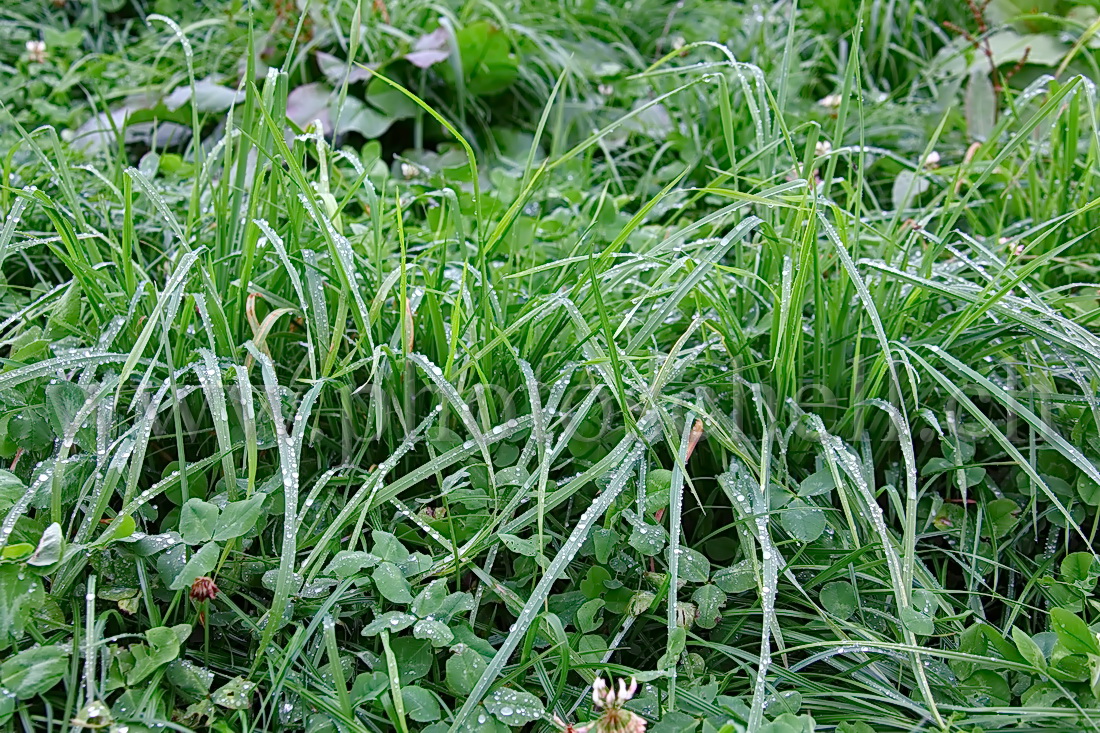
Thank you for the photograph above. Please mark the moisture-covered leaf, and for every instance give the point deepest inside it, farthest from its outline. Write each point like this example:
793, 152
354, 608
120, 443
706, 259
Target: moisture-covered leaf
464, 669
163, 645
238, 518
49, 547
514, 707
415, 657
201, 563
817, 484
20, 593
1073, 633
694, 567
391, 583
430, 600
63, 403
604, 542
435, 631
527, 548
802, 520
235, 694
736, 578
198, 520
388, 548
189, 679
420, 704
709, 601
34, 671
648, 539
917, 621
392, 621
349, 563
839, 598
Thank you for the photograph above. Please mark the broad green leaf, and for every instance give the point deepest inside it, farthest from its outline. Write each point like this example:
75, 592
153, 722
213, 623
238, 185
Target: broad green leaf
648, 539
839, 598
736, 578
453, 604
488, 63
235, 694
434, 630
238, 518
604, 542
802, 520
589, 617
1088, 490
980, 105
11, 490
392, 621
1073, 633
658, 484
201, 563
917, 621
857, 726
464, 668
415, 657
513, 707
694, 566
1077, 567
908, 185
163, 646
349, 563
391, 583
420, 705
1028, 649
198, 520
189, 679
593, 584
388, 548
431, 599
369, 686
592, 648
20, 594
63, 403
817, 484
34, 671
790, 723
527, 548
49, 547
1001, 515
987, 686
709, 600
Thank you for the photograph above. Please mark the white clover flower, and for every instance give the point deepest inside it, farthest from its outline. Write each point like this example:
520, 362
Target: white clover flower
36, 50
614, 718
932, 160
823, 147
830, 101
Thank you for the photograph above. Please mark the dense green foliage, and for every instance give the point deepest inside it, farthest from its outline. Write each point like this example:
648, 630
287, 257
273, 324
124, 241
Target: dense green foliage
406, 366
